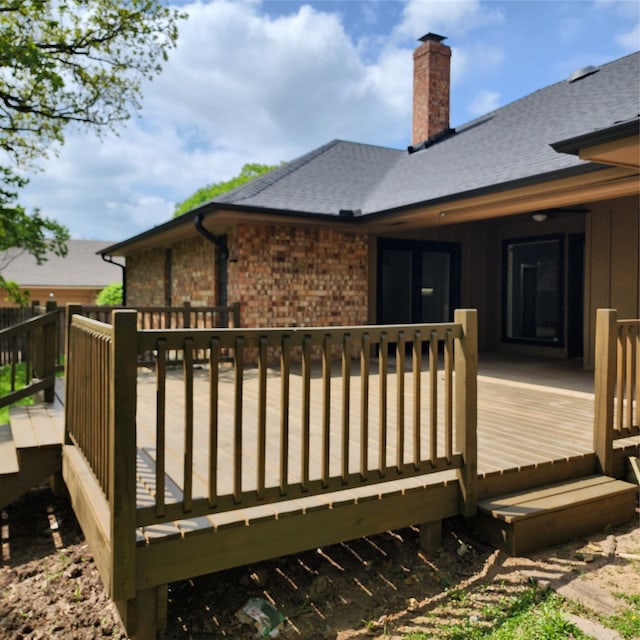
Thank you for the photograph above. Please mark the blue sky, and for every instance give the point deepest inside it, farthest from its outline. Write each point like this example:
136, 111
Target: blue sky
266, 81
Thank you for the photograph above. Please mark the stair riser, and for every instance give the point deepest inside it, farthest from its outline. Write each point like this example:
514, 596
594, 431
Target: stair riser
536, 532
36, 465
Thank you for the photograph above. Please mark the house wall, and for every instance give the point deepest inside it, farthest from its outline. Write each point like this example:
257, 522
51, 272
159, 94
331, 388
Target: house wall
613, 263
193, 272
184, 272
146, 278
62, 295
298, 276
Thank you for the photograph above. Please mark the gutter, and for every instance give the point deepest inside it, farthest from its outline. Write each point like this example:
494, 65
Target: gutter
219, 241
110, 260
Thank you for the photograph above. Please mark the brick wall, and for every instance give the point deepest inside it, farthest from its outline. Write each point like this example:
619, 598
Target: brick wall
146, 278
193, 272
281, 275
288, 276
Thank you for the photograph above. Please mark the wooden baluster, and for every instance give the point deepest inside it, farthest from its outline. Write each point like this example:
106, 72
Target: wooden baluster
400, 364
237, 428
433, 397
365, 347
448, 395
417, 398
346, 404
285, 370
262, 416
620, 375
326, 408
382, 431
188, 424
631, 367
161, 404
214, 392
306, 404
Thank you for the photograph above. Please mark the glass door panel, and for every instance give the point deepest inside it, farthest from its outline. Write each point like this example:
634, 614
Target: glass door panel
435, 290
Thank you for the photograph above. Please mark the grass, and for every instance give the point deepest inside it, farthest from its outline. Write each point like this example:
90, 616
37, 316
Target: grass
5, 388
534, 613
626, 623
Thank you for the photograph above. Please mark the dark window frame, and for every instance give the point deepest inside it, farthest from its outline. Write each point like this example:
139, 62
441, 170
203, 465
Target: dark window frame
560, 341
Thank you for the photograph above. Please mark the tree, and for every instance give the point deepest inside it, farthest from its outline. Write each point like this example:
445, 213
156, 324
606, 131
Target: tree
249, 172
111, 295
65, 62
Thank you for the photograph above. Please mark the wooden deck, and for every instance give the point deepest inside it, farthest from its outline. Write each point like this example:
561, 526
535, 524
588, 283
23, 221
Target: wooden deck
249, 450
521, 424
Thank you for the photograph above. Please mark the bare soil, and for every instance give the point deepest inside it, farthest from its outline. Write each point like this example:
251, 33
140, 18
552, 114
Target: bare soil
378, 587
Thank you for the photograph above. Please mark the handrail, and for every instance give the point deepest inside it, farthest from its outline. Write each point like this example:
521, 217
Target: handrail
617, 384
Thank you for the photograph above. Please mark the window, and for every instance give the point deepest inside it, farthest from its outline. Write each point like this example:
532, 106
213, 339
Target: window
533, 290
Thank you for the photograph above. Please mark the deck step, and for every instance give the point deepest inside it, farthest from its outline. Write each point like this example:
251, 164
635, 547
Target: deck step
8, 452
527, 520
39, 425
30, 449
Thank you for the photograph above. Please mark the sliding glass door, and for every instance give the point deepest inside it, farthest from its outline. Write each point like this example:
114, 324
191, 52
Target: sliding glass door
418, 281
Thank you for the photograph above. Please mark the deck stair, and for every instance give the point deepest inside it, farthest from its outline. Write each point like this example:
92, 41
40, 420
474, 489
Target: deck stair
528, 520
30, 448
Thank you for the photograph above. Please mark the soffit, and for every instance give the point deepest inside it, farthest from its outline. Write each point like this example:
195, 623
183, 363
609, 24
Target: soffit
621, 153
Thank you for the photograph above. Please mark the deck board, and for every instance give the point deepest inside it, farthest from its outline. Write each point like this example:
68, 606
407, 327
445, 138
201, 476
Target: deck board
521, 425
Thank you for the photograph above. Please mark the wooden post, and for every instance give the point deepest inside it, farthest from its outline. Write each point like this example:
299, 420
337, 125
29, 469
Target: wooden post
431, 536
236, 315
49, 351
604, 384
466, 390
72, 309
122, 454
186, 315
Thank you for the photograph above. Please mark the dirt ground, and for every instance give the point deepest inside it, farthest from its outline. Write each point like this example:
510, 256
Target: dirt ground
378, 587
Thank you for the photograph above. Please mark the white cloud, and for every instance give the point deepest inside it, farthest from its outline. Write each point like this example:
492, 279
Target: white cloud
630, 40
483, 102
447, 18
240, 87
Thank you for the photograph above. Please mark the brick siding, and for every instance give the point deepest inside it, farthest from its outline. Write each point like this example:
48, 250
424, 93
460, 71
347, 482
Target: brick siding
296, 276
146, 278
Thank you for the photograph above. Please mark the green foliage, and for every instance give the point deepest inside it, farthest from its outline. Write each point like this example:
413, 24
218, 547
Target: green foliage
627, 622
67, 62
111, 295
533, 613
249, 172
5, 387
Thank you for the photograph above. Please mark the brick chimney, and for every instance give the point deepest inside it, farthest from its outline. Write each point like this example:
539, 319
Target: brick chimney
431, 80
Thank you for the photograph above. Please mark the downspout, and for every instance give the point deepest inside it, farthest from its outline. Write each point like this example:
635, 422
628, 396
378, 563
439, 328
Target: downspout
110, 260
220, 243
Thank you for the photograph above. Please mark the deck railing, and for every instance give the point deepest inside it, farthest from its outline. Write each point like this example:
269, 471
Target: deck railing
29, 355
617, 383
186, 316
307, 427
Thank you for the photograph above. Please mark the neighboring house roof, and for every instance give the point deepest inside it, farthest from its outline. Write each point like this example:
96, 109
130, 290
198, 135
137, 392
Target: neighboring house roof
506, 148
81, 267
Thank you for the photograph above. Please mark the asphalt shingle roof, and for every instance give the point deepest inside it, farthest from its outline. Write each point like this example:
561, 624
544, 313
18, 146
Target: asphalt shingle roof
81, 267
509, 144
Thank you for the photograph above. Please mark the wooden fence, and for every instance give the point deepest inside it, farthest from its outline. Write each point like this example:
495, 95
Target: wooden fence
617, 384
